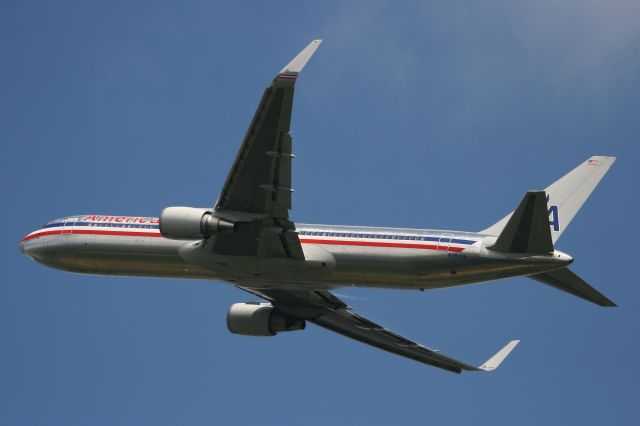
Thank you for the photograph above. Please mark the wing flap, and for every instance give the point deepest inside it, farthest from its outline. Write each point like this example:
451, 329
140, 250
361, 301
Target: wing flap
358, 328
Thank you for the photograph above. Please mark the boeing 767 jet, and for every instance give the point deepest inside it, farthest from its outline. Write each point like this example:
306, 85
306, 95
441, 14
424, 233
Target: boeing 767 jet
248, 240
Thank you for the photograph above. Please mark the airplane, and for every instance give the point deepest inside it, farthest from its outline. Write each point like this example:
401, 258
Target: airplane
248, 239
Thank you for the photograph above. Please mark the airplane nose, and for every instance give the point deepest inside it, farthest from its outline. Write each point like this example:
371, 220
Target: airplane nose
24, 247
36, 250
28, 247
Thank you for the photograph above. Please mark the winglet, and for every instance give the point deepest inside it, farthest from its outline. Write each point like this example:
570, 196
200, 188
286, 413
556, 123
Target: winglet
495, 361
293, 68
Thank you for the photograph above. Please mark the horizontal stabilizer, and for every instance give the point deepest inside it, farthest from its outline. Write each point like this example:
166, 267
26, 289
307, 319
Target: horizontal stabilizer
527, 230
565, 280
495, 361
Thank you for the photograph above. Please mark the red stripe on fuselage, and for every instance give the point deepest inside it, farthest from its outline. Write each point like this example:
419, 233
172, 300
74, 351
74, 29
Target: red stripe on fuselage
91, 232
381, 244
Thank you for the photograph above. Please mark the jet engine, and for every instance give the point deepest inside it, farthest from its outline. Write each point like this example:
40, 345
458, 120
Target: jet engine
260, 319
181, 223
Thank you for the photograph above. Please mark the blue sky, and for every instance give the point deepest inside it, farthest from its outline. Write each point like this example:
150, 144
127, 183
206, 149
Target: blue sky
425, 114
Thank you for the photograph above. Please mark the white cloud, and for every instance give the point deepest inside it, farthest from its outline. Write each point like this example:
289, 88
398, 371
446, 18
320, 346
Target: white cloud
584, 40
364, 35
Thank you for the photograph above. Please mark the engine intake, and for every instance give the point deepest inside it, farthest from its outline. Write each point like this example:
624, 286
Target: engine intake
260, 319
182, 223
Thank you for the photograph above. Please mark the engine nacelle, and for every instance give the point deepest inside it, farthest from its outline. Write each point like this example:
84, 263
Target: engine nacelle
181, 223
260, 319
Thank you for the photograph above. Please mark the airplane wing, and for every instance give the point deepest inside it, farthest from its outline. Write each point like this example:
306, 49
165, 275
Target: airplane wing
326, 310
257, 192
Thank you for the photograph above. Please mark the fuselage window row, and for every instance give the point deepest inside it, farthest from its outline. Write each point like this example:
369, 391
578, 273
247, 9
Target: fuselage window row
349, 235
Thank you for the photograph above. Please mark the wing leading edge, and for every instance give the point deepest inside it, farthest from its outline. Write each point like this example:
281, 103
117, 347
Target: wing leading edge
326, 310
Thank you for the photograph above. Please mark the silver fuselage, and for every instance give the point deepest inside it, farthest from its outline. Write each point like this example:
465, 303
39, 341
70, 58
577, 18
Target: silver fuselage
335, 256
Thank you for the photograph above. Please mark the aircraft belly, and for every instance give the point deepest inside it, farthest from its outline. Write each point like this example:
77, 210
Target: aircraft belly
154, 257
115, 255
415, 269
375, 266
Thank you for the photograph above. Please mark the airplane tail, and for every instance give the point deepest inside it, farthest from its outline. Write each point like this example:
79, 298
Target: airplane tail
528, 232
542, 216
566, 196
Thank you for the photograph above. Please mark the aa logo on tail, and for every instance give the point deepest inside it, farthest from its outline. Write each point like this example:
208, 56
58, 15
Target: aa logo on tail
554, 219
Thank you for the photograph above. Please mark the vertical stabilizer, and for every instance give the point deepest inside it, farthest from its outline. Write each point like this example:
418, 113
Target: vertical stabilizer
567, 195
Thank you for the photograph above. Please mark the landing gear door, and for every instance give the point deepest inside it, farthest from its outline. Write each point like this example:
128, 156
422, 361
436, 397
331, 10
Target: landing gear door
67, 227
444, 242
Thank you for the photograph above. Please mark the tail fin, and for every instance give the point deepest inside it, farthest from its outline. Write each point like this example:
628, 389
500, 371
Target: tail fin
567, 195
565, 280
